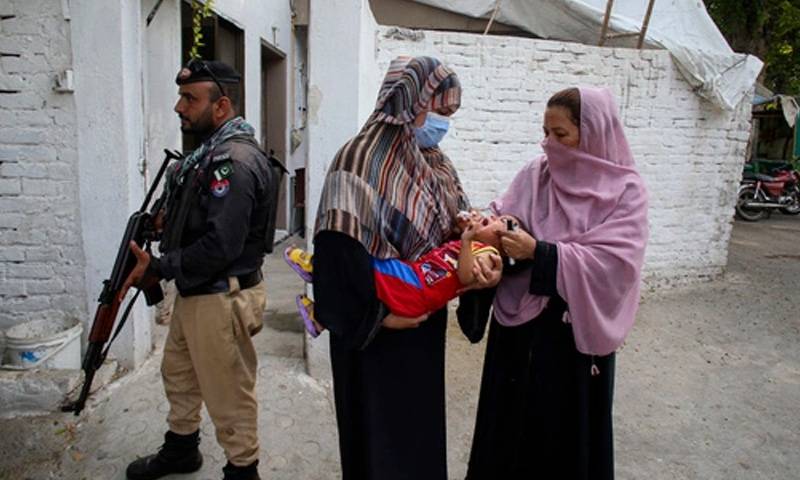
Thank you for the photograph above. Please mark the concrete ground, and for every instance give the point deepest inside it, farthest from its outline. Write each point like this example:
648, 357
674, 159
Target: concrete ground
296, 423
708, 386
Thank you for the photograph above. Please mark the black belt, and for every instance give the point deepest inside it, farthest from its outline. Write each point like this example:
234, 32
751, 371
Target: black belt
249, 279
246, 281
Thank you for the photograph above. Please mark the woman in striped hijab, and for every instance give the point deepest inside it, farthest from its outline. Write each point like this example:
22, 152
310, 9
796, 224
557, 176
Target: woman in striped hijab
381, 199
380, 190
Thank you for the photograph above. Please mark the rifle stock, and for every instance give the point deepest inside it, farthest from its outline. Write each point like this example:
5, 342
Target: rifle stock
100, 338
103, 322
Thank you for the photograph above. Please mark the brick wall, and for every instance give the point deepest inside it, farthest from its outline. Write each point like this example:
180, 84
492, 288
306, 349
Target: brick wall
41, 260
689, 152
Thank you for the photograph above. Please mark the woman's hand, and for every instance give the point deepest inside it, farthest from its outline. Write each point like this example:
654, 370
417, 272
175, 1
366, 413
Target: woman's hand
397, 322
518, 244
488, 270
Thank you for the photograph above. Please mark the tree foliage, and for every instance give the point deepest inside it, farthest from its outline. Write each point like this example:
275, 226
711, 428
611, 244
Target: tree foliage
769, 29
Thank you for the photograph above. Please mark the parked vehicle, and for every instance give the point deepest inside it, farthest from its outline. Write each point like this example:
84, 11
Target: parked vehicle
760, 194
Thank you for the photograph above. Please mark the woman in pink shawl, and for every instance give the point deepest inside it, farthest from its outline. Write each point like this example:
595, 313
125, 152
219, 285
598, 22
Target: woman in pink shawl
565, 306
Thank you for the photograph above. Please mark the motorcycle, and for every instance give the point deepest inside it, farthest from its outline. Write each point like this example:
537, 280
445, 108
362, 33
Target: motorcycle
760, 194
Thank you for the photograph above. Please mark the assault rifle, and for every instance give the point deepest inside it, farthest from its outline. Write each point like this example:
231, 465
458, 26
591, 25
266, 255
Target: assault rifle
140, 229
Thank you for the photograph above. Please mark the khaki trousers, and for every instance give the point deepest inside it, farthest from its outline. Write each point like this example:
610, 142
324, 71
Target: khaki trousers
209, 357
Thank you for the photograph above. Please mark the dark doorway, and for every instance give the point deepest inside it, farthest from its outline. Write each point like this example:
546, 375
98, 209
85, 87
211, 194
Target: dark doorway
273, 115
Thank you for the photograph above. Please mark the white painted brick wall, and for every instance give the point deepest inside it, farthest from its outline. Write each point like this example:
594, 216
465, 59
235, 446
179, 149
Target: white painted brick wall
41, 260
689, 152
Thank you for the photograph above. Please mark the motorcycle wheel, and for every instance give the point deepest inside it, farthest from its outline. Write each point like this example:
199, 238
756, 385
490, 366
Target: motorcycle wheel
793, 209
747, 194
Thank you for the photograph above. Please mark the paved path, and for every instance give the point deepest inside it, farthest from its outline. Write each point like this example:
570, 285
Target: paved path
296, 422
708, 385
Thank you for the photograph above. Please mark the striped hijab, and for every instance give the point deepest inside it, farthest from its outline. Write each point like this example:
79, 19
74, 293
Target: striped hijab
445, 173
380, 189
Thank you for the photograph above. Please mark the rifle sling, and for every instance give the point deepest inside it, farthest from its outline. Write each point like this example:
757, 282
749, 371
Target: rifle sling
178, 206
119, 326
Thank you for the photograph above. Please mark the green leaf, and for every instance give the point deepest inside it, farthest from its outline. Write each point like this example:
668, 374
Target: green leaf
199, 12
769, 29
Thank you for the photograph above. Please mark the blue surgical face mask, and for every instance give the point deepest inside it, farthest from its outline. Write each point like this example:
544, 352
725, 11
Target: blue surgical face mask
432, 132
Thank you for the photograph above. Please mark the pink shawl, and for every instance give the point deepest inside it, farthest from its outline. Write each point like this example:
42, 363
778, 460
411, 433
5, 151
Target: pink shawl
592, 203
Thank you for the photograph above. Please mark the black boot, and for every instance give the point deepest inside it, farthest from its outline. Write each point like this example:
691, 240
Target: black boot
179, 454
232, 472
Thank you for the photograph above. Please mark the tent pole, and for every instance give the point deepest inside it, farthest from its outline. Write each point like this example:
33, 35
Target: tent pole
606, 18
645, 23
494, 14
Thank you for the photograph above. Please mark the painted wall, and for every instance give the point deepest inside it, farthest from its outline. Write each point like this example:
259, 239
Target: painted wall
298, 112
370, 74
689, 152
161, 52
107, 42
299, 100
334, 85
269, 21
338, 104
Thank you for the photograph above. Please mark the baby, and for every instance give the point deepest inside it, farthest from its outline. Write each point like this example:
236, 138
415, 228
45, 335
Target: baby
412, 289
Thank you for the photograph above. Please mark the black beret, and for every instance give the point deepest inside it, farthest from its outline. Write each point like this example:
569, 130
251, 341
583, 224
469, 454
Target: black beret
207, 71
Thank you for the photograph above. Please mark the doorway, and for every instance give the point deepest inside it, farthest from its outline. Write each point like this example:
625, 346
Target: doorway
273, 118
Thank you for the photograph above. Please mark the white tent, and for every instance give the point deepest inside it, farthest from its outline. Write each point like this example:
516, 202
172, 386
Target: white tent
681, 26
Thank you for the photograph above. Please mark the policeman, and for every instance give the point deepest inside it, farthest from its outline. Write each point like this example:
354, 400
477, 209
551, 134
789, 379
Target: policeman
214, 217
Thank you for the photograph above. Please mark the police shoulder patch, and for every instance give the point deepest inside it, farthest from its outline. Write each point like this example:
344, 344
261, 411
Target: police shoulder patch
220, 188
223, 171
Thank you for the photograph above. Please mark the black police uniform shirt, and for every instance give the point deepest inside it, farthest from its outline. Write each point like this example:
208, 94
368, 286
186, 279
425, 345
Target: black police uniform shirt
217, 219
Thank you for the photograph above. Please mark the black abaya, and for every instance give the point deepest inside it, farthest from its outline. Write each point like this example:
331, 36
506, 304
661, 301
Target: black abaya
388, 384
541, 413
